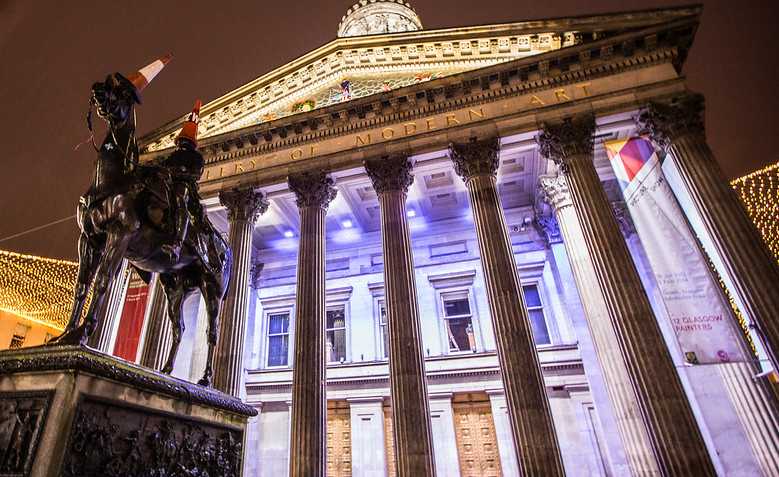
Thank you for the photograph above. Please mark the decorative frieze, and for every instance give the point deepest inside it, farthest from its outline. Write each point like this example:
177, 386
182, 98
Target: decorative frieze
390, 173
243, 204
664, 122
312, 189
475, 158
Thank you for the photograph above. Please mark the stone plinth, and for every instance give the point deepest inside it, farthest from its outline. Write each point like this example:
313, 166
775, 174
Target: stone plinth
72, 411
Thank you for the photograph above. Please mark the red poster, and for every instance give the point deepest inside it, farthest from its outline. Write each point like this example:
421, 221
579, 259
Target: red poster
129, 333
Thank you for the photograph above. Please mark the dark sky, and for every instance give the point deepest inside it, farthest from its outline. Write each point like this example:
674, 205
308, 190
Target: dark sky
52, 51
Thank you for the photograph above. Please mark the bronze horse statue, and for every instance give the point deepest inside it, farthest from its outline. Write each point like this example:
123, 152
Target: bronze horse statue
130, 211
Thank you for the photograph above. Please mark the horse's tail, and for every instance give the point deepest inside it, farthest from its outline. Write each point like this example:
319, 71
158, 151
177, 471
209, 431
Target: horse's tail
227, 266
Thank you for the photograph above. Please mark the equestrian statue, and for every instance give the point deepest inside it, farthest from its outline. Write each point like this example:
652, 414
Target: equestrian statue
149, 214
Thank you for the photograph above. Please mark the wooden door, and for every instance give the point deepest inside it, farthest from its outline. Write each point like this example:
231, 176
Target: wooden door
477, 442
339, 441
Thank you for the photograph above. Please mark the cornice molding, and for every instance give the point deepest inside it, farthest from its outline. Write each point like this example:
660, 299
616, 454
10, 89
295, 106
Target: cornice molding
663, 43
493, 42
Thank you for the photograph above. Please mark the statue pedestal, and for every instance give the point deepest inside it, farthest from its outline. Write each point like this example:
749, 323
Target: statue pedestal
72, 411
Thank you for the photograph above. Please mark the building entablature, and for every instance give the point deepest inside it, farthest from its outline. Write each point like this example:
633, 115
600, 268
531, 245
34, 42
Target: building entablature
561, 365
396, 60
602, 75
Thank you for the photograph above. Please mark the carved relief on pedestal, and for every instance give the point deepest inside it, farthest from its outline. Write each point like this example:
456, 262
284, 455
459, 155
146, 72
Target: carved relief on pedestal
243, 204
312, 189
22, 419
390, 173
108, 439
475, 157
664, 122
566, 139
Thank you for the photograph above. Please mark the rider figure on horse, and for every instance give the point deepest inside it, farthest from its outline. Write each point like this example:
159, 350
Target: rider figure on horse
185, 165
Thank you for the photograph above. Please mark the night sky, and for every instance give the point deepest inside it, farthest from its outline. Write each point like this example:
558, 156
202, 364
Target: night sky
52, 51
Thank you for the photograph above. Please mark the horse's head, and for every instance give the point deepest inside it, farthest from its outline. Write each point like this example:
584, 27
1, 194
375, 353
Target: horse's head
114, 99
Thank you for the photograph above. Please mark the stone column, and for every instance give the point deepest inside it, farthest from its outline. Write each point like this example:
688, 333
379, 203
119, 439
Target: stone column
622, 396
538, 452
447, 461
314, 191
391, 177
102, 338
244, 207
678, 128
677, 441
159, 333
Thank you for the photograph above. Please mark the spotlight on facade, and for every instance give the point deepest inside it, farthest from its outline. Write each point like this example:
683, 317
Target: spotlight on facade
347, 224
289, 233
411, 213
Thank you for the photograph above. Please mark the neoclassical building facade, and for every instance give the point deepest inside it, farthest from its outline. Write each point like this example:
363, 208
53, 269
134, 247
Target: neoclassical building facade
482, 251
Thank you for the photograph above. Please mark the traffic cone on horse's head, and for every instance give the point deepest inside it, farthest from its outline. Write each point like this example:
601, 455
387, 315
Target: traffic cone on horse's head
141, 78
189, 131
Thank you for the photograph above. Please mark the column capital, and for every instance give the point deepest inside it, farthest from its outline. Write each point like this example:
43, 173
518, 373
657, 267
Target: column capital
553, 189
572, 137
243, 204
389, 173
664, 122
475, 158
312, 189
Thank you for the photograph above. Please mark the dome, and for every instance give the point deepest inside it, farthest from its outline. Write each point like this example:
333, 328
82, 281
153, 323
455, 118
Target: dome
371, 17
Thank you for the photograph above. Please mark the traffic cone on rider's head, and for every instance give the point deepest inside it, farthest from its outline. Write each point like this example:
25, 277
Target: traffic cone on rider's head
141, 78
188, 133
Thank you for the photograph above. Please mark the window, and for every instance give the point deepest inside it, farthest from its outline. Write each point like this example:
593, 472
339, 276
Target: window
383, 331
335, 335
535, 310
457, 320
278, 339
20, 333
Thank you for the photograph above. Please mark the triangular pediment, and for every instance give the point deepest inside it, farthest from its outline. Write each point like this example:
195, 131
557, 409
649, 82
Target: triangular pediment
349, 68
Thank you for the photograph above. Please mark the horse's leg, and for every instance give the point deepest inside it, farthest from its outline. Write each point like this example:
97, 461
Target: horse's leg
212, 296
115, 247
176, 293
86, 271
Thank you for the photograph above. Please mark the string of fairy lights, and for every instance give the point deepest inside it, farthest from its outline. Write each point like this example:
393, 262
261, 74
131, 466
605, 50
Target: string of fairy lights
759, 191
37, 288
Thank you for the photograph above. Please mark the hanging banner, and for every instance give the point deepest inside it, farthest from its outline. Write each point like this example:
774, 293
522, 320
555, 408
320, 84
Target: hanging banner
129, 333
700, 316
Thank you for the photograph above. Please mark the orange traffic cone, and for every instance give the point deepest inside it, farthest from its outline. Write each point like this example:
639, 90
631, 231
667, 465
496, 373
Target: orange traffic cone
141, 78
189, 131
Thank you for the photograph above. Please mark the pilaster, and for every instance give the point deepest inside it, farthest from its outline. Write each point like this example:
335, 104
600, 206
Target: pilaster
537, 449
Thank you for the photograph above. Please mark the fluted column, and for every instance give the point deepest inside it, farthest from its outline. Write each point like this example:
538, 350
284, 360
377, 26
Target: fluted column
677, 127
538, 452
391, 177
676, 439
624, 401
159, 333
313, 191
244, 207
111, 311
